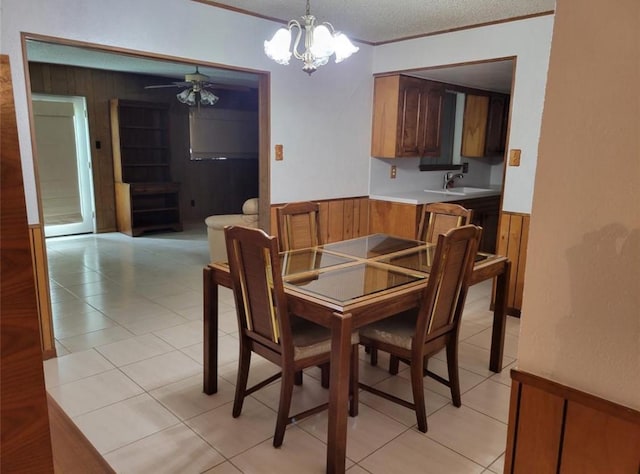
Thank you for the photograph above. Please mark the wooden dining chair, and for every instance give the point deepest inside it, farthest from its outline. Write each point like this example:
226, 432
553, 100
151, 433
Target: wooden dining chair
298, 225
414, 336
439, 217
267, 328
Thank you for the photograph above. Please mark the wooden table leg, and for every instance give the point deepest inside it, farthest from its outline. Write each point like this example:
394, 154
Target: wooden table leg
499, 319
210, 321
341, 328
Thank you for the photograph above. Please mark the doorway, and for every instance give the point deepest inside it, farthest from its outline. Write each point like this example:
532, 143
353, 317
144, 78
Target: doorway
64, 164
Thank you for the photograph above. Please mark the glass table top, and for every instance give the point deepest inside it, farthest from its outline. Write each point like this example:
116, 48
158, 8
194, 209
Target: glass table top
306, 260
353, 281
371, 245
419, 258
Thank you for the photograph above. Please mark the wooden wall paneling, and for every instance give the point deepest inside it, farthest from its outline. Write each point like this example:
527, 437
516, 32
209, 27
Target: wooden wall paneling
335, 223
539, 430
514, 404
104, 187
323, 219
556, 428
341, 218
597, 442
363, 220
273, 221
41, 272
26, 442
521, 263
512, 242
348, 219
513, 251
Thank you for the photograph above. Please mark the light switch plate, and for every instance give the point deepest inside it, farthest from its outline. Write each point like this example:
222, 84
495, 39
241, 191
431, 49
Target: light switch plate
514, 157
279, 153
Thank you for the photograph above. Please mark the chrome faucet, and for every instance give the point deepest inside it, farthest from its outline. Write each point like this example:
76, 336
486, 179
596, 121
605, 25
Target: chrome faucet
449, 178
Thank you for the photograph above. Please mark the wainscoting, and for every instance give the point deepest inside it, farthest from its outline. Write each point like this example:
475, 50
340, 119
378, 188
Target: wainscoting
513, 235
558, 429
340, 219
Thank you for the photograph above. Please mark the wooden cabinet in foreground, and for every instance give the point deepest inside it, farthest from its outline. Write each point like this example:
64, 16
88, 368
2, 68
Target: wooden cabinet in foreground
406, 117
146, 198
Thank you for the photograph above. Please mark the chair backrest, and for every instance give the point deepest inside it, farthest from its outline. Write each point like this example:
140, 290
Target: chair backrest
256, 277
298, 225
439, 217
444, 297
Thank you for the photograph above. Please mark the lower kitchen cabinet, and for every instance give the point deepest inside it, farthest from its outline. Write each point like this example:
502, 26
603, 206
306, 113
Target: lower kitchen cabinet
145, 207
394, 218
403, 219
486, 212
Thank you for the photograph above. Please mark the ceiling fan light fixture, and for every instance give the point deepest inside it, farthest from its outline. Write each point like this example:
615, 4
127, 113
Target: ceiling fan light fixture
187, 96
320, 42
207, 97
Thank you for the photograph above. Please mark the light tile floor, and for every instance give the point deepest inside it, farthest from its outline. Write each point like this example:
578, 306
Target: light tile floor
128, 321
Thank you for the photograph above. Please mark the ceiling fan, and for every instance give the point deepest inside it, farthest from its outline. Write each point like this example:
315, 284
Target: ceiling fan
196, 87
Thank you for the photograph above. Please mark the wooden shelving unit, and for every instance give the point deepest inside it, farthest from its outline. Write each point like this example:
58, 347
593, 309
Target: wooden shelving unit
146, 198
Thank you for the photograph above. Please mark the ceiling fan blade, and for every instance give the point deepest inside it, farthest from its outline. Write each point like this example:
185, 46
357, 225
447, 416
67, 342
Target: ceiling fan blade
162, 86
230, 87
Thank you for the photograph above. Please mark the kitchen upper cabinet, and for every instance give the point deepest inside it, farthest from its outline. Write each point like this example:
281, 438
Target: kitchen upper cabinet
474, 125
406, 117
497, 124
484, 128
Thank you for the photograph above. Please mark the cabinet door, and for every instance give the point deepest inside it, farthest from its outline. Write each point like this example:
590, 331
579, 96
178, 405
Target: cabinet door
432, 98
497, 125
474, 126
412, 103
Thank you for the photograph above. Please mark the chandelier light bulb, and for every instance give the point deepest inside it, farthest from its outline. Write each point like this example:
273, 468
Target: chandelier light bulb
320, 42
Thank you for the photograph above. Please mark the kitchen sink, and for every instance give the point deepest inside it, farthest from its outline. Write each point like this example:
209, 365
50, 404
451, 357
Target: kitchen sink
459, 191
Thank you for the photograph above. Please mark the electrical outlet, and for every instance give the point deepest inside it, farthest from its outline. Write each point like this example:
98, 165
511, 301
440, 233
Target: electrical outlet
393, 172
465, 167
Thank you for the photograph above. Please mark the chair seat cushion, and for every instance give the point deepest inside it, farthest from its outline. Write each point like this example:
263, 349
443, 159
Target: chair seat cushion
310, 339
396, 330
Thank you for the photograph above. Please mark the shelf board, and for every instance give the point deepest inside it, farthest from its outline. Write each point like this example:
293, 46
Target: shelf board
155, 209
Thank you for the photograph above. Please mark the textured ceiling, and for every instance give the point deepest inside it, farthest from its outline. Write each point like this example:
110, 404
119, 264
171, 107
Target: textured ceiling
373, 21
379, 21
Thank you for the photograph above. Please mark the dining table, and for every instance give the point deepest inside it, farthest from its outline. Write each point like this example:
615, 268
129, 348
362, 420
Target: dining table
343, 286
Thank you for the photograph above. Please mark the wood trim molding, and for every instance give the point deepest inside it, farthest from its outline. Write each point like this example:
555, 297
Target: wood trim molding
26, 440
41, 272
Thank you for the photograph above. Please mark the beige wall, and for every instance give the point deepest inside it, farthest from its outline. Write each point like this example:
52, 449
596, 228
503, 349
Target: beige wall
581, 312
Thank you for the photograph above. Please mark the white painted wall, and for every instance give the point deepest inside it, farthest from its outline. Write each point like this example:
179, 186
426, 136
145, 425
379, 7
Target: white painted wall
529, 40
323, 121
581, 307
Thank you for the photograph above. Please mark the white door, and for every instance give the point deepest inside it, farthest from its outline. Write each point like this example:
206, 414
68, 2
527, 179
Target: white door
64, 164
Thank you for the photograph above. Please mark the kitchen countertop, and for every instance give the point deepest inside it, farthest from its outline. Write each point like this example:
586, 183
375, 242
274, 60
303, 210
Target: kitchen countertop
422, 197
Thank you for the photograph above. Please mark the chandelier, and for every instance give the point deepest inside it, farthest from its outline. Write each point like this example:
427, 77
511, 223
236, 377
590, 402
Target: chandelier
320, 42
